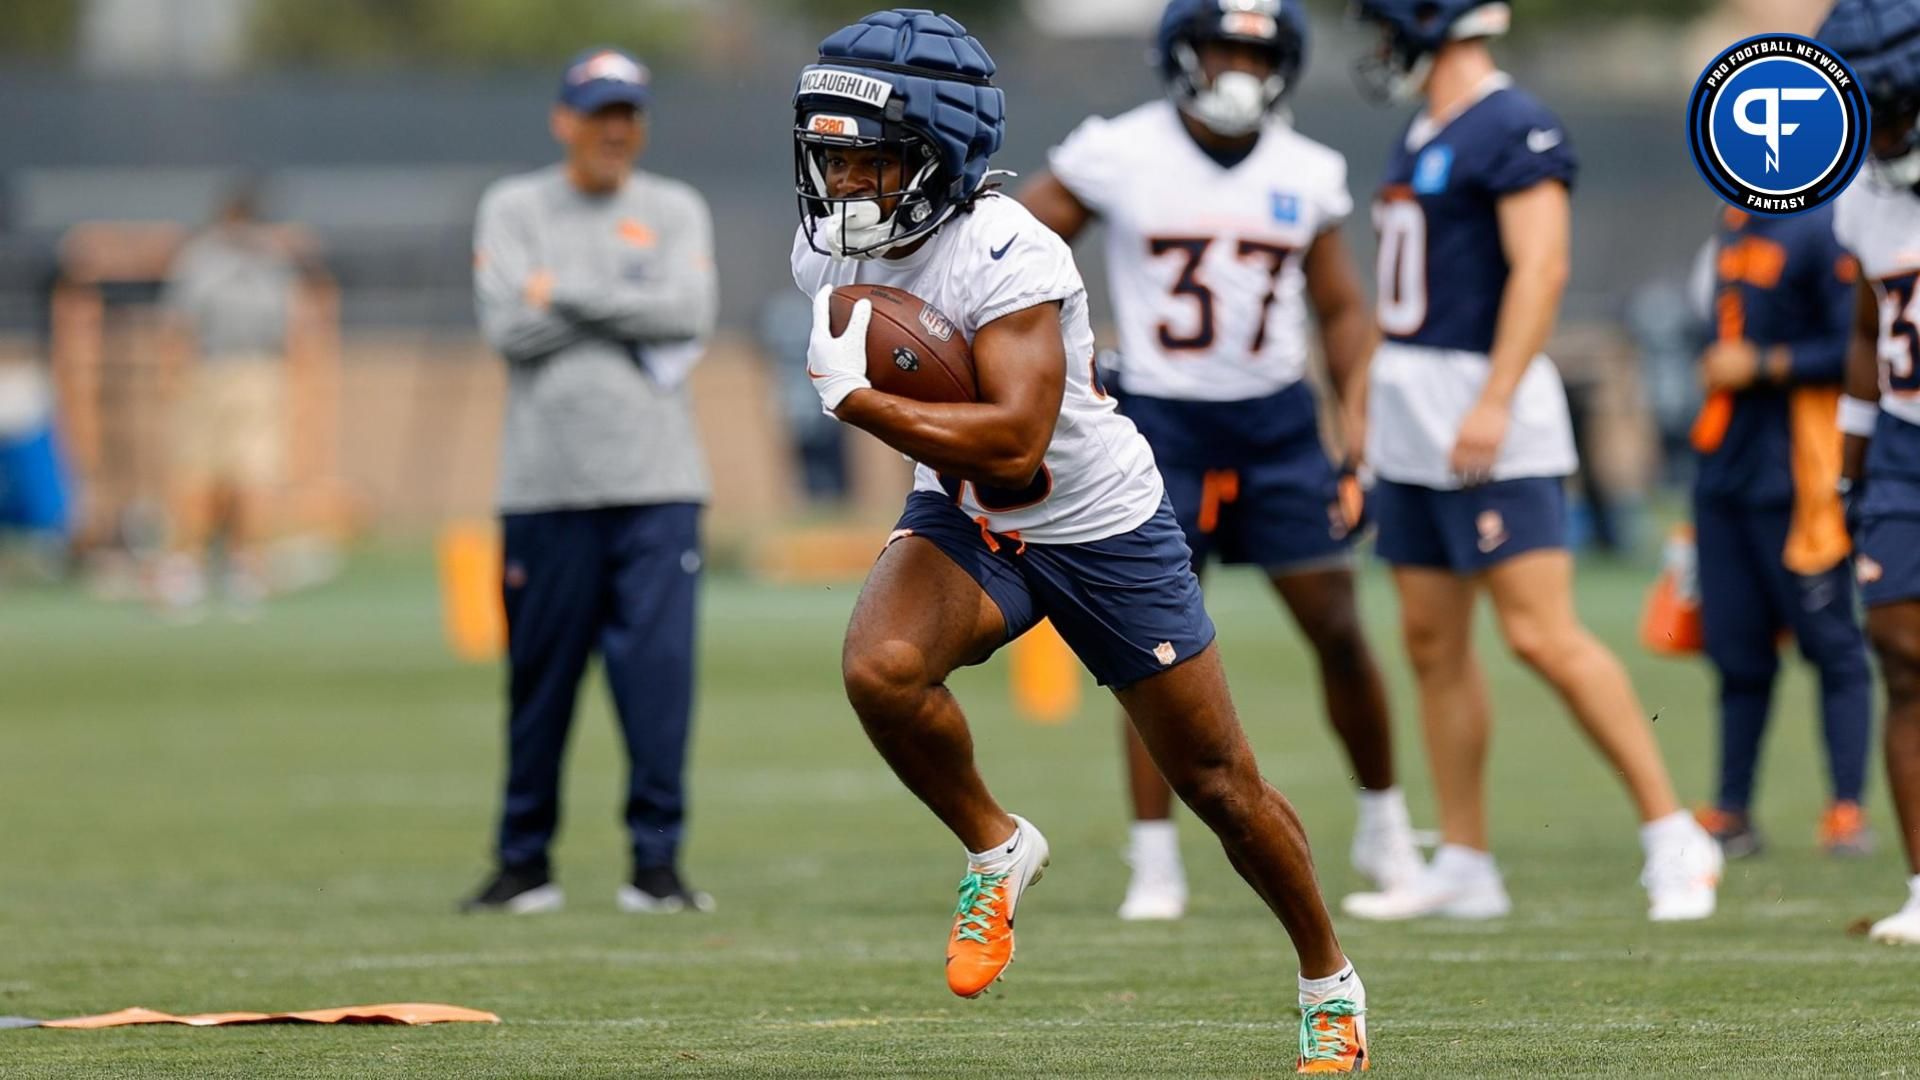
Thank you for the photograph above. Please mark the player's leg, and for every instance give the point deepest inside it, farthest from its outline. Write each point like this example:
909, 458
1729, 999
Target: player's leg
1186, 718
1157, 879
257, 449
647, 651
1739, 620
1325, 606
552, 589
1532, 595
1829, 634
940, 598
919, 617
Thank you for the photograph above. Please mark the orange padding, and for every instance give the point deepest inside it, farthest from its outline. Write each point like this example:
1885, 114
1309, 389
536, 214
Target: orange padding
408, 1013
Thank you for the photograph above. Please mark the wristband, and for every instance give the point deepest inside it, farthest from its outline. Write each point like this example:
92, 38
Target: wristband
1857, 417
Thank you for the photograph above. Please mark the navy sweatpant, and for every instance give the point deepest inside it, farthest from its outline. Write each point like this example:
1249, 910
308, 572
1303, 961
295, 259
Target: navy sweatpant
622, 580
1747, 597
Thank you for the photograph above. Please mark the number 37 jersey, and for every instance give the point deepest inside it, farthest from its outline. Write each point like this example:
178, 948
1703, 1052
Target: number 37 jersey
1204, 262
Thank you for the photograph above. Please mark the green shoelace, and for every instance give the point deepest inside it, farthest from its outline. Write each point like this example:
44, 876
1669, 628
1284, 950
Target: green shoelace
978, 893
1324, 1045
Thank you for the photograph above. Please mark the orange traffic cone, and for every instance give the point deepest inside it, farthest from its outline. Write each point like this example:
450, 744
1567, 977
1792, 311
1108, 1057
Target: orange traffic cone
470, 605
1046, 676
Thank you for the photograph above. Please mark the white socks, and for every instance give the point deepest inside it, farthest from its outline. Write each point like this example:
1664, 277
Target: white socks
1676, 828
1382, 811
1154, 845
1340, 984
999, 858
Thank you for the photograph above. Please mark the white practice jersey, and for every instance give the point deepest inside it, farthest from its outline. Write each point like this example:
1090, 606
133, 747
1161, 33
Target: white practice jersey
1205, 262
1880, 226
1098, 479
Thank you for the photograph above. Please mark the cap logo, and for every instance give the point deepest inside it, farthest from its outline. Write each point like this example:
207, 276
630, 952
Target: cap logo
846, 84
608, 67
822, 124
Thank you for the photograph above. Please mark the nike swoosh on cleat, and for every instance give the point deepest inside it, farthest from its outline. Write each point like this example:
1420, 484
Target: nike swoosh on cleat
1002, 249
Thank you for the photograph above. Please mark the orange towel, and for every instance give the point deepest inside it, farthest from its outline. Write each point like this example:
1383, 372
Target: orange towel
1817, 535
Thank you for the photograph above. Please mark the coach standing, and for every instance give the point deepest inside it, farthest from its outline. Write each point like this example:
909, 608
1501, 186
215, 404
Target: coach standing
596, 282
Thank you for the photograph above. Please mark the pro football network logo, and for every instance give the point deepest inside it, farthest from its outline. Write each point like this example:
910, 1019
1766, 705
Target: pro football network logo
1777, 124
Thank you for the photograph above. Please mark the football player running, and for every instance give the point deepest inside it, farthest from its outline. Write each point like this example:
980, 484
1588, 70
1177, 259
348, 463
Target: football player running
1878, 220
1036, 501
1469, 434
1223, 230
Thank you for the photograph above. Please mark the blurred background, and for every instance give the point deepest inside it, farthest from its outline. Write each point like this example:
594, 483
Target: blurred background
365, 131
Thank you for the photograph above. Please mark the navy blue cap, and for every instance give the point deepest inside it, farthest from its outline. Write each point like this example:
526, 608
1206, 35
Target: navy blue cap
600, 77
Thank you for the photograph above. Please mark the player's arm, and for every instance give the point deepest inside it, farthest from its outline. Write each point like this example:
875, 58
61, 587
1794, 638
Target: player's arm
1057, 208
1346, 331
1020, 363
1822, 357
1535, 234
679, 303
510, 290
1863, 384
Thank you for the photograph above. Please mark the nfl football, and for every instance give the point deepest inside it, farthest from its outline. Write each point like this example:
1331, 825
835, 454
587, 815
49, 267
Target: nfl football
912, 349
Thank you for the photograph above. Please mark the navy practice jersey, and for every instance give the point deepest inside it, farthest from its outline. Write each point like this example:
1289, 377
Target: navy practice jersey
1441, 269
1778, 281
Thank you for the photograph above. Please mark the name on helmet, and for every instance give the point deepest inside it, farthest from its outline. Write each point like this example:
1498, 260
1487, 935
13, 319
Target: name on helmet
846, 84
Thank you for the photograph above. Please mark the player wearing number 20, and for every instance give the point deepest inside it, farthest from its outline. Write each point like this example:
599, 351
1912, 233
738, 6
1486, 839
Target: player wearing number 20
1223, 239
1469, 434
1037, 500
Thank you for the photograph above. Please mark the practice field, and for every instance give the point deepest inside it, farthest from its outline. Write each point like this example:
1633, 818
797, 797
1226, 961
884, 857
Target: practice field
282, 816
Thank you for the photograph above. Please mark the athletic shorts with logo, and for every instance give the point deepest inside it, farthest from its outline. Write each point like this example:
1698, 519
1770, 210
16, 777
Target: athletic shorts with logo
1468, 530
1128, 605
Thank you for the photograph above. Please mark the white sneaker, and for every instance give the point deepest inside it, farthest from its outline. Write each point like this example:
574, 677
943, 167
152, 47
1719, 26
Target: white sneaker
1453, 887
1682, 876
1903, 926
1158, 888
1154, 894
1387, 856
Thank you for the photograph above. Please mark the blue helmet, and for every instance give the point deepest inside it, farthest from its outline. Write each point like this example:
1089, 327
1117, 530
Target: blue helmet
1880, 40
1234, 103
910, 82
1411, 32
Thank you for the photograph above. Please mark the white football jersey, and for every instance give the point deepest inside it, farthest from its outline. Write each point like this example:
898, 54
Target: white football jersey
1205, 262
1098, 478
1881, 227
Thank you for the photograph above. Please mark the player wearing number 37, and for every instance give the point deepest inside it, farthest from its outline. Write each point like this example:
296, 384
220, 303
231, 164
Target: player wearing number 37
1468, 431
1034, 500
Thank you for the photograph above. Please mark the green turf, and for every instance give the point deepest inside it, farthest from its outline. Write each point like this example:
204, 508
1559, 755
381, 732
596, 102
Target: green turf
282, 815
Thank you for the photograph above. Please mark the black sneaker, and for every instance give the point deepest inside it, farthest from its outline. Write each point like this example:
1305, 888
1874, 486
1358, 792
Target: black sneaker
517, 892
658, 890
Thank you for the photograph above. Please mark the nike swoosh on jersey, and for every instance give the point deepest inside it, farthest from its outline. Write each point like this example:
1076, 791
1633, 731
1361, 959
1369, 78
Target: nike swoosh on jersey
1003, 248
1541, 140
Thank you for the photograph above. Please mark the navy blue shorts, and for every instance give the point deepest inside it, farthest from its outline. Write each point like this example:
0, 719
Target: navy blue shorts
1248, 480
1279, 515
1469, 530
1887, 543
1129, 606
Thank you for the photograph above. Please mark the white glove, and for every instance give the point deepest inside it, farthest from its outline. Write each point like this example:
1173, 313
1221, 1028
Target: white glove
837, 365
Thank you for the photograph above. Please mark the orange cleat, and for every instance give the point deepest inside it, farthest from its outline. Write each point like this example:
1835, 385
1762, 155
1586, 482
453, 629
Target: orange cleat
1843, 830
980, 946
1333, 1037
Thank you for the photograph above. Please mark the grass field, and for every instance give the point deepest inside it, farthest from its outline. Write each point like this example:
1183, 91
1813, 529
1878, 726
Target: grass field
281, 816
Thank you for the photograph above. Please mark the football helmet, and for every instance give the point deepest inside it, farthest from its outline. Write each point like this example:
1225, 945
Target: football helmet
911, 82
1236, 102
1411, 32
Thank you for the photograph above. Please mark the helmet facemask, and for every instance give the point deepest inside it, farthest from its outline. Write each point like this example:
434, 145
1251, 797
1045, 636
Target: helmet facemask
1232, 103
1899, 170
866, 226
1396, 71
